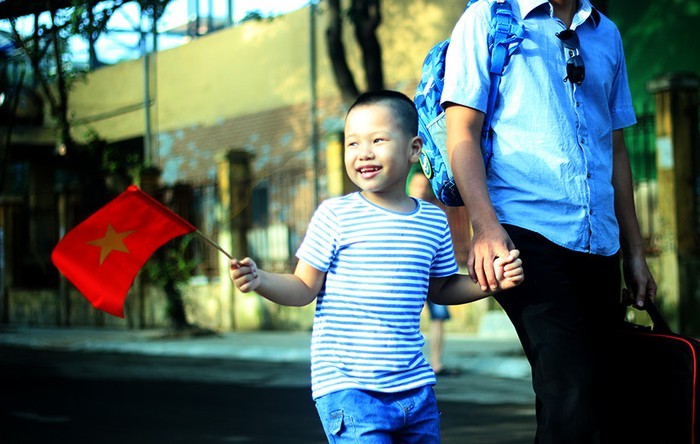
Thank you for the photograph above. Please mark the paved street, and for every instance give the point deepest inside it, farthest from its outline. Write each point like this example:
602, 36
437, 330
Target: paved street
72, 386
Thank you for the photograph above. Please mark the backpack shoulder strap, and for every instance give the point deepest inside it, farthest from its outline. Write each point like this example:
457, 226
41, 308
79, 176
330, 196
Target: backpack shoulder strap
506, 35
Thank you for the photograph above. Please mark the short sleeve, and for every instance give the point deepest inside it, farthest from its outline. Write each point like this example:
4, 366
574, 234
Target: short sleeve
621, 109
467, 80
320, 243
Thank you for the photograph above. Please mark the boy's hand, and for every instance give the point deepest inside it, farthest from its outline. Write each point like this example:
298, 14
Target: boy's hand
509, 270
244, 274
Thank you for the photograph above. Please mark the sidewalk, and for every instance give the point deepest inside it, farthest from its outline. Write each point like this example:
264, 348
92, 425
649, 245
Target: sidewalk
493, 369
501, 357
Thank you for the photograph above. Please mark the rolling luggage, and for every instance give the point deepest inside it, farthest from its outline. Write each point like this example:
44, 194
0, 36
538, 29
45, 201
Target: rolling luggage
657, 390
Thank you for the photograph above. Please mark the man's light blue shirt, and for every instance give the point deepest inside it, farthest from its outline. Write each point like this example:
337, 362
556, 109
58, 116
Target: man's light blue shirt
552, 164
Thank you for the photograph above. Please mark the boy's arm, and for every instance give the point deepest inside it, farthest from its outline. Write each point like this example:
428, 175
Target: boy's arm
461, 289
454, 290
296, 290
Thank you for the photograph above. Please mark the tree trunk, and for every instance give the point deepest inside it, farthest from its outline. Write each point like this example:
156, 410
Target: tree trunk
336, 52
176, 307
366, 16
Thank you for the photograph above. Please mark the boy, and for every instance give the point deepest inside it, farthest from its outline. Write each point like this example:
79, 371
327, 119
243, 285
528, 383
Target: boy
370, 259
419, 186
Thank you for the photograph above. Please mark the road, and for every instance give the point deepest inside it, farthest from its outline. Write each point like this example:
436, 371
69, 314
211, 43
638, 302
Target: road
74, 397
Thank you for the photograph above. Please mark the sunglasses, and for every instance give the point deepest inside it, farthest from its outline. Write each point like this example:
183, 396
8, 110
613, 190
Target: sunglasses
575, 70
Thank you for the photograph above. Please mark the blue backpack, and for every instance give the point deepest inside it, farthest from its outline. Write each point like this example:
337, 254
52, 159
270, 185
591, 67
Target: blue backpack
505, 36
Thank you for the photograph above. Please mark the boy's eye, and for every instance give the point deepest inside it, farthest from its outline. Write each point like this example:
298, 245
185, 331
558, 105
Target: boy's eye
378, 140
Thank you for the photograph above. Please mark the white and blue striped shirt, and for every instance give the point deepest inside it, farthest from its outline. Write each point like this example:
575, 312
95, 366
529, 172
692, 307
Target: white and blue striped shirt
366, 332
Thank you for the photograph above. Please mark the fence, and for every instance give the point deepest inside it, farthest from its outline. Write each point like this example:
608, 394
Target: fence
279, 229
281, 206
640, 140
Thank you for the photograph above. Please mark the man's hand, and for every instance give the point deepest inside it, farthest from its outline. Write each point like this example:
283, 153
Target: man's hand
488, 245
640, 284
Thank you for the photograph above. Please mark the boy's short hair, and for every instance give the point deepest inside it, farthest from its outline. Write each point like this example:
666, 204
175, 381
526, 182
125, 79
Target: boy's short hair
403, 108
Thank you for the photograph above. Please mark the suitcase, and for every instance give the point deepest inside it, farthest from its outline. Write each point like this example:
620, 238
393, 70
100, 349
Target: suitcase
656, 392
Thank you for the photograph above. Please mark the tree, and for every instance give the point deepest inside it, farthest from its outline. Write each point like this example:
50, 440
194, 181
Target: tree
365, 17
46, 51
10, 96
170, 269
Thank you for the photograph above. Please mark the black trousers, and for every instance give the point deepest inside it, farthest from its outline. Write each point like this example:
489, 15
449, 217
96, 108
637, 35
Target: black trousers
563, 312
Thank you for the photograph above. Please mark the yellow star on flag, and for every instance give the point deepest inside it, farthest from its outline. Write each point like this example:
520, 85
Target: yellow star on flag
112, 241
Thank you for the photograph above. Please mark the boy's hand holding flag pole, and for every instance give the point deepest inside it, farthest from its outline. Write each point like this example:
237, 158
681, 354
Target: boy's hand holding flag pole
102, 255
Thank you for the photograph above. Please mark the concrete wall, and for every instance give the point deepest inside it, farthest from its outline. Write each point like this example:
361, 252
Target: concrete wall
251, 68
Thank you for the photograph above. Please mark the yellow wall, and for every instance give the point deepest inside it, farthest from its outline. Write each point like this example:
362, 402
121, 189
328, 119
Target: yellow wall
205, 89
250, 68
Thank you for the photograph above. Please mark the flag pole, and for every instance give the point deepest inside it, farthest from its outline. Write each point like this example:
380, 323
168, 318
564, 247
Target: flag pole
213, 244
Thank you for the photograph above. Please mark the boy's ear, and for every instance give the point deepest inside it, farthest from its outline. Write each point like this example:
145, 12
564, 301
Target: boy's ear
416, 146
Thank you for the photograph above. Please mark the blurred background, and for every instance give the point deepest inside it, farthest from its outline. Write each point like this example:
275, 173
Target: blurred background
231, 112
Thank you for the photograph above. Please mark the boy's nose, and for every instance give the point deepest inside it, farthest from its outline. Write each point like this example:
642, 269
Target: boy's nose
365, 152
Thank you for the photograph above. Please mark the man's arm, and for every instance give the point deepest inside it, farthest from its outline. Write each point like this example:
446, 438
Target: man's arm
638, 278
489, 240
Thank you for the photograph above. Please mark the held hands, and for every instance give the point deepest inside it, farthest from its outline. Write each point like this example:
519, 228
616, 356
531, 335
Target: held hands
509, 270
489, 243
244, 274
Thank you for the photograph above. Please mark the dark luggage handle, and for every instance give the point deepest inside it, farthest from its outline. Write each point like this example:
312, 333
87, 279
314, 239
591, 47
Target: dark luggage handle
660, 325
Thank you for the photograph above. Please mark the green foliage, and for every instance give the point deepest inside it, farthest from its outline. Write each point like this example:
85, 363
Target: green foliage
170, 269
172, 265
154, 8
257, 16
659, 38
113, 159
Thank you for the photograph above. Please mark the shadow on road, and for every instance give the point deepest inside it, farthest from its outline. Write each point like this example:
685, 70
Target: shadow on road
64, 397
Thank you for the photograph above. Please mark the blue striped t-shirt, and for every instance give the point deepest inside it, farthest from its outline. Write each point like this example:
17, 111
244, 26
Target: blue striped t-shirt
366, 331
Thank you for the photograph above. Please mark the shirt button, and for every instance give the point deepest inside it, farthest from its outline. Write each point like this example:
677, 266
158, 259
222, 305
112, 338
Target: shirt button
588, 175
583, 140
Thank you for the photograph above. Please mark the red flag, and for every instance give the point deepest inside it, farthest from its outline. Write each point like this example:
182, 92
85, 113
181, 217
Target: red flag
102, 255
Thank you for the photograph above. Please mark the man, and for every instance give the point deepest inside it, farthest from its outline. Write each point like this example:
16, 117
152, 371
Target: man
559, 189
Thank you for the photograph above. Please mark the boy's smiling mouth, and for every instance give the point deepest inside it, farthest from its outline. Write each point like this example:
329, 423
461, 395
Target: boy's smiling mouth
368, 171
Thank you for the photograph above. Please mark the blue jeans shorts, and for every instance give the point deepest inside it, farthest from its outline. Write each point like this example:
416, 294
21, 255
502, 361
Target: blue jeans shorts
359, 416
438, 312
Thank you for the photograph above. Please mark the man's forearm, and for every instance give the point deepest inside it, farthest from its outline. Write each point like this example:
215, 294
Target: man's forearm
630, 235
464, 149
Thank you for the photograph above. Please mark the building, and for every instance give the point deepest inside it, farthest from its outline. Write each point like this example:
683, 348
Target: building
243, 127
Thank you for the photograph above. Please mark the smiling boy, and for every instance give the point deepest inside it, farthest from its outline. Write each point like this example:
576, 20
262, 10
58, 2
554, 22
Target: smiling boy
370, 259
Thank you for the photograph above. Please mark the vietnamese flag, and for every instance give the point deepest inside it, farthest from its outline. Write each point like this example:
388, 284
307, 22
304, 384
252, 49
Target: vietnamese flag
102, 255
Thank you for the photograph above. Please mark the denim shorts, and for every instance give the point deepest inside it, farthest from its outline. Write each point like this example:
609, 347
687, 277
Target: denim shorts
438, 312
360, 416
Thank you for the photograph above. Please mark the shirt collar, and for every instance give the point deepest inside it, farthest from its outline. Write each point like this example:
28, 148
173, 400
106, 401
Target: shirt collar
585, 11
